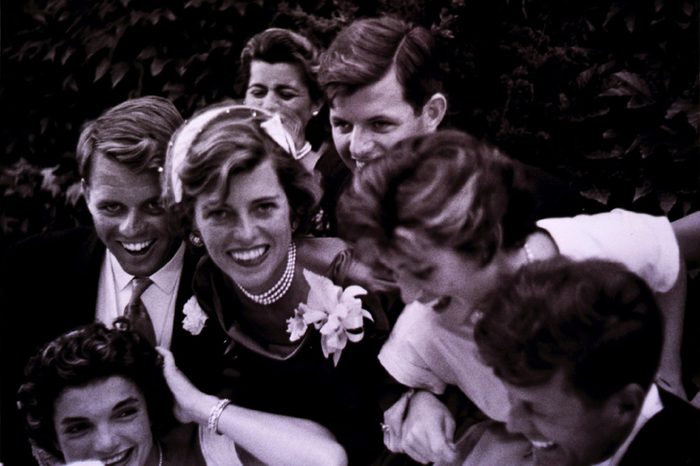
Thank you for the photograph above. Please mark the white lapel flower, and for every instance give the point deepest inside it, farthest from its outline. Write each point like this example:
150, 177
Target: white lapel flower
195, 318
336, 312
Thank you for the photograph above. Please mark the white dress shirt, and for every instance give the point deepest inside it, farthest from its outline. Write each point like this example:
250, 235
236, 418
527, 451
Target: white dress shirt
114, 293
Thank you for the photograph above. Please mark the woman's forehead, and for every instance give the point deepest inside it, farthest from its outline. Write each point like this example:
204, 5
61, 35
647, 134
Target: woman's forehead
98, 395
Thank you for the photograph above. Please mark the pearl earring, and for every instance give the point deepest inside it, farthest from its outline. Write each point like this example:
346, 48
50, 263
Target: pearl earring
196, 240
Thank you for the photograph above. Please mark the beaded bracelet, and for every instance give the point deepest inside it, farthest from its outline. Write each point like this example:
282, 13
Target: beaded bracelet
215, 414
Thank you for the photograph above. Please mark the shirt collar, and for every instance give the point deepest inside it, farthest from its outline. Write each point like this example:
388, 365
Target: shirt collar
652, 405
164, 278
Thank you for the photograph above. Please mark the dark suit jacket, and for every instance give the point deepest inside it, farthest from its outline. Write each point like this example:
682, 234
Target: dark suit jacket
49, 286
670, 438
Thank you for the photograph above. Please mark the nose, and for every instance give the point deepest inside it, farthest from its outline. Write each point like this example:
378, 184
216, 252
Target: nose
106, 439
360, 144
131, 224
245, 230
270, 102
517, 421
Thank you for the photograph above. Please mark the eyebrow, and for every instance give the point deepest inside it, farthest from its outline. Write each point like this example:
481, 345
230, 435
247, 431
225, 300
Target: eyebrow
125, 402
275, 197
216, 203
277, 86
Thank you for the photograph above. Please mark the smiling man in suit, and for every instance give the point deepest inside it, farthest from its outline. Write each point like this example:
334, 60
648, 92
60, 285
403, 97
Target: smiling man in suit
55, 282
577, 345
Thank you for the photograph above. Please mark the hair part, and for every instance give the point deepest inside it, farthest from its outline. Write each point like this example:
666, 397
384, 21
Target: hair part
365, 51
448, 188
84, 356
135, 133
595, 320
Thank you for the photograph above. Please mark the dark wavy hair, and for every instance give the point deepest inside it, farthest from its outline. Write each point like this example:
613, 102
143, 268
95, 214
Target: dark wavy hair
233, 143
134, 133
449, 187
593, 319
363, 53
83, 356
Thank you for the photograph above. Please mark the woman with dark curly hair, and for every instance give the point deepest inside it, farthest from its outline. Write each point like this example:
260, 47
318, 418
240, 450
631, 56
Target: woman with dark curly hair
105, 394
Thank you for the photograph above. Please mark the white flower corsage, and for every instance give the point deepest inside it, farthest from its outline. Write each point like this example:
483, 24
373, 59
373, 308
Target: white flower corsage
195, 318
336, 312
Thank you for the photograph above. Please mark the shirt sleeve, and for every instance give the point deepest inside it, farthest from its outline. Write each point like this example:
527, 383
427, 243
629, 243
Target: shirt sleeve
402, 357
645, 244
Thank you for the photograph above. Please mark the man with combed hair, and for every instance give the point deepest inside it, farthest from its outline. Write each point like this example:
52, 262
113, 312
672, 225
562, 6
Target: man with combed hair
383, 83
381, 78
54, 282
577, 345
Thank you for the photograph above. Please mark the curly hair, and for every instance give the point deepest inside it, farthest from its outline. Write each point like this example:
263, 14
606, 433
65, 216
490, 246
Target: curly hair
134, 133
449, 187
594, 319
231, 143
365, 51
80, 357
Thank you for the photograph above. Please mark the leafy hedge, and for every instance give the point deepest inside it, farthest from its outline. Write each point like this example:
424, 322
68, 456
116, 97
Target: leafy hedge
603, 93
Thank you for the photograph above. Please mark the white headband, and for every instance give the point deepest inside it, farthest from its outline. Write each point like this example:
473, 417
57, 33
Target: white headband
183, 138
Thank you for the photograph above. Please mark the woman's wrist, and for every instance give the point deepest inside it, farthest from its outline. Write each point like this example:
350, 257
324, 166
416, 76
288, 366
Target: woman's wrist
201, 409
215, 413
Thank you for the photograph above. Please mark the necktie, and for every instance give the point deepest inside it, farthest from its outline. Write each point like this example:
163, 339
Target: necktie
136, 312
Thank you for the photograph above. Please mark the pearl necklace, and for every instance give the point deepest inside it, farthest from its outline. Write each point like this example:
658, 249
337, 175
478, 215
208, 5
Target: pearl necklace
280, 288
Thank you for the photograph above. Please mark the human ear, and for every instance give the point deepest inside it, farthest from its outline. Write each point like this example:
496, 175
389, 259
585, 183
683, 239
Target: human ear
434, 111
626, 403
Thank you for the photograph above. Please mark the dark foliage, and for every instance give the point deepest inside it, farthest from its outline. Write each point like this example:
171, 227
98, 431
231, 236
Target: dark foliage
602, 93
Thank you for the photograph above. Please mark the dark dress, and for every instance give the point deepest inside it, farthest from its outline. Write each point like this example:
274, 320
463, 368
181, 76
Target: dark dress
305, 384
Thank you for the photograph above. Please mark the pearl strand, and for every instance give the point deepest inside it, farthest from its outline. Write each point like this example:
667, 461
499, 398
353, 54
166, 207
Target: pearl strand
280, 288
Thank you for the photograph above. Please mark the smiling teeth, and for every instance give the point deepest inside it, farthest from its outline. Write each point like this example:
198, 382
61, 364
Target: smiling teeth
116, 458
137, 247
248, 255
542, 444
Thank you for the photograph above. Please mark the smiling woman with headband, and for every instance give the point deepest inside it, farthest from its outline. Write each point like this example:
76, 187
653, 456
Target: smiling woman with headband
297, 344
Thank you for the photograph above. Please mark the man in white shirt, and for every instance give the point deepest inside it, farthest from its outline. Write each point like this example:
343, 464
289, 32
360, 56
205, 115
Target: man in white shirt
55, 282
578, 345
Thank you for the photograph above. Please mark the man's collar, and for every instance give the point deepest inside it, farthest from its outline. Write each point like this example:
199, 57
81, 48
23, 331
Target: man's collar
652, 405
164, 278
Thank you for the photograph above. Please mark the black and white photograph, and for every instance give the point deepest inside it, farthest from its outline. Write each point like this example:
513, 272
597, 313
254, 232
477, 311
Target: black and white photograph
335, 232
